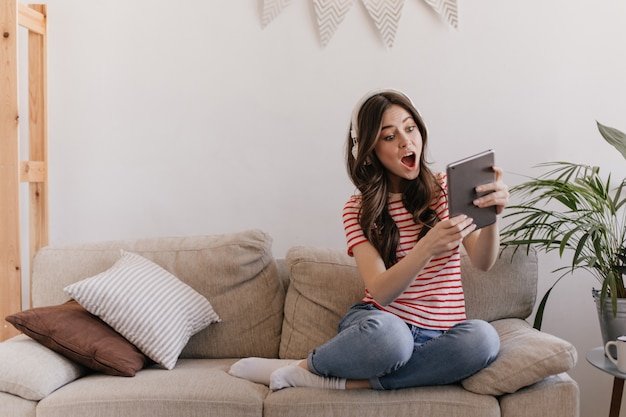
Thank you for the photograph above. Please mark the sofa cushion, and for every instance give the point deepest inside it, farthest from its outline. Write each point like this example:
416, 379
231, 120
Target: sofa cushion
324, 283
526, 356
196, 387
235, 271
75, 333
446, 400
147, 305
507, 290
32, 371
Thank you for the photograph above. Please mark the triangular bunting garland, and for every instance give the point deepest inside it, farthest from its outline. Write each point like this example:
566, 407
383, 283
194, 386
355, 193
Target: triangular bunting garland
271, 9
386, 15
330, 14
446, 9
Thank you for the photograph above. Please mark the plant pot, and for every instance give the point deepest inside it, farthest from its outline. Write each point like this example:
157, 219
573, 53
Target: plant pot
611, 326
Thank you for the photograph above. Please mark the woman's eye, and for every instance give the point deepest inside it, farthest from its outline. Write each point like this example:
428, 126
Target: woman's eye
411, 128
388, 138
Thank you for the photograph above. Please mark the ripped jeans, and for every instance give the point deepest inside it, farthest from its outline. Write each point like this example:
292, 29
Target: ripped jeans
382, 348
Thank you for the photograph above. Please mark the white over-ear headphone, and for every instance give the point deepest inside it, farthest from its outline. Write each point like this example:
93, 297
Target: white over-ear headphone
355, 115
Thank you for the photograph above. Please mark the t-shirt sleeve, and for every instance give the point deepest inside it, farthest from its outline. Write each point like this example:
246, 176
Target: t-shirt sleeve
351, 226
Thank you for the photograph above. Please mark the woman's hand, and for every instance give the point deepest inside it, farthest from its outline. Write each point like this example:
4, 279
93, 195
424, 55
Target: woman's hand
499, 197
446, 235
482, 246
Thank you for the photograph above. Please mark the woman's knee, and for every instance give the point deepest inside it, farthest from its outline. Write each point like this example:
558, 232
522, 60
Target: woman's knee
481, 338
392, 339
488, 334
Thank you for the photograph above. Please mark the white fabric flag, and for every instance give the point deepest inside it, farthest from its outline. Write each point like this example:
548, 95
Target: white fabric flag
330, 14
386, 15
447, 9
271, 9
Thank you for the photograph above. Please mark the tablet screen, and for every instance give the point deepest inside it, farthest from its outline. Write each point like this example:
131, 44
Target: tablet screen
463, 178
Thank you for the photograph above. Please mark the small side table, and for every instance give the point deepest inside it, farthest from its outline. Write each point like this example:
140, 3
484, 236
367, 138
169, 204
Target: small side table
596, 357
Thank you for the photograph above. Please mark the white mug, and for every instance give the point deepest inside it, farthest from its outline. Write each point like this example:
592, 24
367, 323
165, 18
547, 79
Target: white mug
620, 347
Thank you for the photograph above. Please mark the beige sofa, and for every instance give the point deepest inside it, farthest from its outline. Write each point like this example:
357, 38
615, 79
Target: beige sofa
281, 308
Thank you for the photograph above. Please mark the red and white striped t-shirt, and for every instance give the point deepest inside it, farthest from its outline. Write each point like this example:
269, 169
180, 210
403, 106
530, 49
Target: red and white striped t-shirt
435, 299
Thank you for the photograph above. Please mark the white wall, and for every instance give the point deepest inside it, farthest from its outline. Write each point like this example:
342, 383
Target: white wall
177, 118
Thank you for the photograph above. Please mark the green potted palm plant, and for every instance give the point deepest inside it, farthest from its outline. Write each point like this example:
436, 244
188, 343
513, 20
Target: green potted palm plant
573, 210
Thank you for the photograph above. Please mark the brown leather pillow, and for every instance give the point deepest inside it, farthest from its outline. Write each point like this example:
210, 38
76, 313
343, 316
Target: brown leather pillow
75, 333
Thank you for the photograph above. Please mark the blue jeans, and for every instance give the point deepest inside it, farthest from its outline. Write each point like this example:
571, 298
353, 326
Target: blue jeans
382, 348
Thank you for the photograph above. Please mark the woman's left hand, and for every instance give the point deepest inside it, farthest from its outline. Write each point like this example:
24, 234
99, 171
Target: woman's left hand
499, 197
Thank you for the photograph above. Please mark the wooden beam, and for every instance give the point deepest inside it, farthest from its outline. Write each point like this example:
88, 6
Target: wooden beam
33, 171
38, 136
31, 18
10, 266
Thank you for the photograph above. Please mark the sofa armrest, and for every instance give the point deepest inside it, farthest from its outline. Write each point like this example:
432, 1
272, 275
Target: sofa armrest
16, 406
556, 395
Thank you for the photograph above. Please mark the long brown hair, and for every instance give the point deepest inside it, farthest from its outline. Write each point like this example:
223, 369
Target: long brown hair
369, 175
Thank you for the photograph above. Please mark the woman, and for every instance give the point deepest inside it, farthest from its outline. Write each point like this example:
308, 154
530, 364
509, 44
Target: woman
410, 329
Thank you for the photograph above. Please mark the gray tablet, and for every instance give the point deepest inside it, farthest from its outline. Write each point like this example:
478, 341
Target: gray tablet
463, 178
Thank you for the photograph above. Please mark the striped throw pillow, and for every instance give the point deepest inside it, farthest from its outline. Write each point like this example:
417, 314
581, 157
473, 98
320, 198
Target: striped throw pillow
147, 305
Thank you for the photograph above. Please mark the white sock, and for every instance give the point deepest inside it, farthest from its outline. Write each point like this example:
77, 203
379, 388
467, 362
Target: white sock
295, 376
259, 369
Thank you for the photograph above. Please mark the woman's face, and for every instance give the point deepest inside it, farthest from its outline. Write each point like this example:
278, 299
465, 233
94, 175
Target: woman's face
399, 146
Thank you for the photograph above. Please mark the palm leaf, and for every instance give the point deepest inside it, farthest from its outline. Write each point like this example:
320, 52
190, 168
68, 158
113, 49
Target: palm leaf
591, 222
540, 309
614, 137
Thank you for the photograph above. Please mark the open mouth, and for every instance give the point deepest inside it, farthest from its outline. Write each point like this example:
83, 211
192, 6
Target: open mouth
409, 160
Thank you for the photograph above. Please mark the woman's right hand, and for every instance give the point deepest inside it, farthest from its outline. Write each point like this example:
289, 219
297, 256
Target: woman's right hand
447, 235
